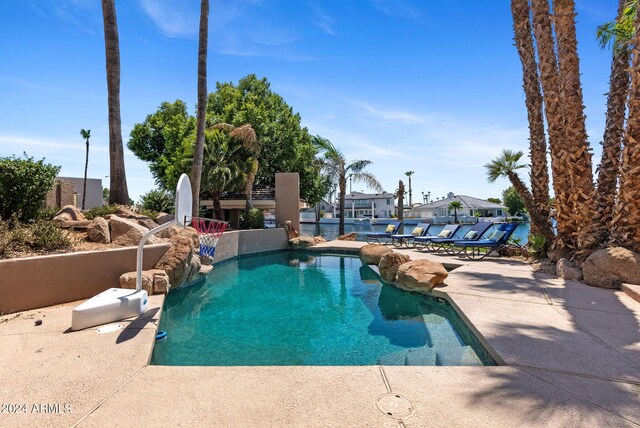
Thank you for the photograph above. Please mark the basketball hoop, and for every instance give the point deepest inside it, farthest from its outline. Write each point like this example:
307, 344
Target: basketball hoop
209, 232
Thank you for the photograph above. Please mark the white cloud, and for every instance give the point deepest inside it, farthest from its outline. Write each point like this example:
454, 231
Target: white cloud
173, 21
322, 20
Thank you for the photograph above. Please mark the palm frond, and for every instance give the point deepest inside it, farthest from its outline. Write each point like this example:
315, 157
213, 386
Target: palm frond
357, 166
368, 179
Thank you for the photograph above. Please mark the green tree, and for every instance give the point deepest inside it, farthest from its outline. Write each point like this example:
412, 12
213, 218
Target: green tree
285, 144
455, 206
86, 134
196, 166
494, 200
337, 168
162, 140
118, 178
24, 183
513, 201
158, 200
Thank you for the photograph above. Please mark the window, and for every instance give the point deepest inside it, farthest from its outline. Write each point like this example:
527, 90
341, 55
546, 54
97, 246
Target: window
499, 213
388, 201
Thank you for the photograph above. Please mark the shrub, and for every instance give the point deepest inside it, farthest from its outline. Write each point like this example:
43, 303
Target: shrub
157, 200
47, 213
24, 183
46, 235
153, 215
101, 211
254, 219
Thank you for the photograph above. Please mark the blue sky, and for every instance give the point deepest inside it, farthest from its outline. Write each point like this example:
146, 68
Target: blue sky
429, 86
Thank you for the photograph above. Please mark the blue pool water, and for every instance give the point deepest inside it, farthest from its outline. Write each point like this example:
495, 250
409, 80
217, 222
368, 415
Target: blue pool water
294, 308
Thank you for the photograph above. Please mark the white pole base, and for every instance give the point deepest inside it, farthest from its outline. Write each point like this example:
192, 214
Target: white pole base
111, 305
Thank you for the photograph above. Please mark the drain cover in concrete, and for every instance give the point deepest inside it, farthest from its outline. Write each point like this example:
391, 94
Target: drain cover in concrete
394, 405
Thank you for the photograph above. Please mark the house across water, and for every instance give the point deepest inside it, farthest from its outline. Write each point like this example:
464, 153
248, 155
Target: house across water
472, 208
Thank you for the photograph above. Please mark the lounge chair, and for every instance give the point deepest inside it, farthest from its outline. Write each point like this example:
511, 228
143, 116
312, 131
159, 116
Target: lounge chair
422, 229
448, 231
375, 237
473, 234
498, 240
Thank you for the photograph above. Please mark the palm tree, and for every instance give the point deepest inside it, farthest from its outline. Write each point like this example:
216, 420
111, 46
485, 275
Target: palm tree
582, 200
549, 80
118, 192
196, 167
400, 195
86, 134
455, 206
506, 165
335, 165
616, 107
409, 174
247, 137
539, 175
624, 227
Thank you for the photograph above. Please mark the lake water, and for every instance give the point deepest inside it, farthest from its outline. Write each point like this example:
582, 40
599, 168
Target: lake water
330, 231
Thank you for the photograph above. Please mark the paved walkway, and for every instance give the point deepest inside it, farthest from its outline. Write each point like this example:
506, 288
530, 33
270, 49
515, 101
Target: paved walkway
571, 355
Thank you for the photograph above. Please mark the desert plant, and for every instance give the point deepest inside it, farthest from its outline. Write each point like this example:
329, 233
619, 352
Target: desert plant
46, 235
101, 211
24, 183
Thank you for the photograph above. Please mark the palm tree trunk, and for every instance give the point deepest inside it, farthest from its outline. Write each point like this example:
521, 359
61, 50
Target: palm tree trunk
549, 79
84, 185
217, 209
343, 189
196, 167
625, 229
536, 216
533, 101
582, 197
118, 192
613, 135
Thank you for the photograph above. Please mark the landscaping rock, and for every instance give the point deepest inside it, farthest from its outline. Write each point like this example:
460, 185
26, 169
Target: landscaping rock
147, 222
610, 267
371, 254
164, 218
319, 239
69, 212
302, 242
98, 231
389, 264
205, 269
420, 275
565, 269
153, 281
182, 261
126, 212
353, 236
128, 233
169, 232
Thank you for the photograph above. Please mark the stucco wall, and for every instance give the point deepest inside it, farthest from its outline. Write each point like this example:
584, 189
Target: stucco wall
241, 242
35, 282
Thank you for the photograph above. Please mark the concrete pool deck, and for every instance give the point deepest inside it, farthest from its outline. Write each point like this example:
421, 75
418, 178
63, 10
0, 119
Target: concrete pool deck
571, 355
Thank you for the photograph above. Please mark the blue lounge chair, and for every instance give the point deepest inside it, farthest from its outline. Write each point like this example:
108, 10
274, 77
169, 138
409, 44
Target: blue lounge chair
498, 240
448, 231
473, 234
422, 229
375, 237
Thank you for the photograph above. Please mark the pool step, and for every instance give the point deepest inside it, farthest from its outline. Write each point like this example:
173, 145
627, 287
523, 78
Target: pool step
441, 332
461, 356
393, 359
413, 357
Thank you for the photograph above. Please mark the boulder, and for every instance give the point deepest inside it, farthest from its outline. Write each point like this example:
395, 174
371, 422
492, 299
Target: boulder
370, 254
169, 232
164, 218
610, 267
205, 269
98, 231
353, 236
147, 222
389, 264
565, 269
319, 239
128, 233
154, 281
302, 242
182, 261
69, 212
421, 275
126, 212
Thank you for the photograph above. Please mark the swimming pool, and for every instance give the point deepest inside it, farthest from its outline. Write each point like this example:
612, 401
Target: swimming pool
297, 308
